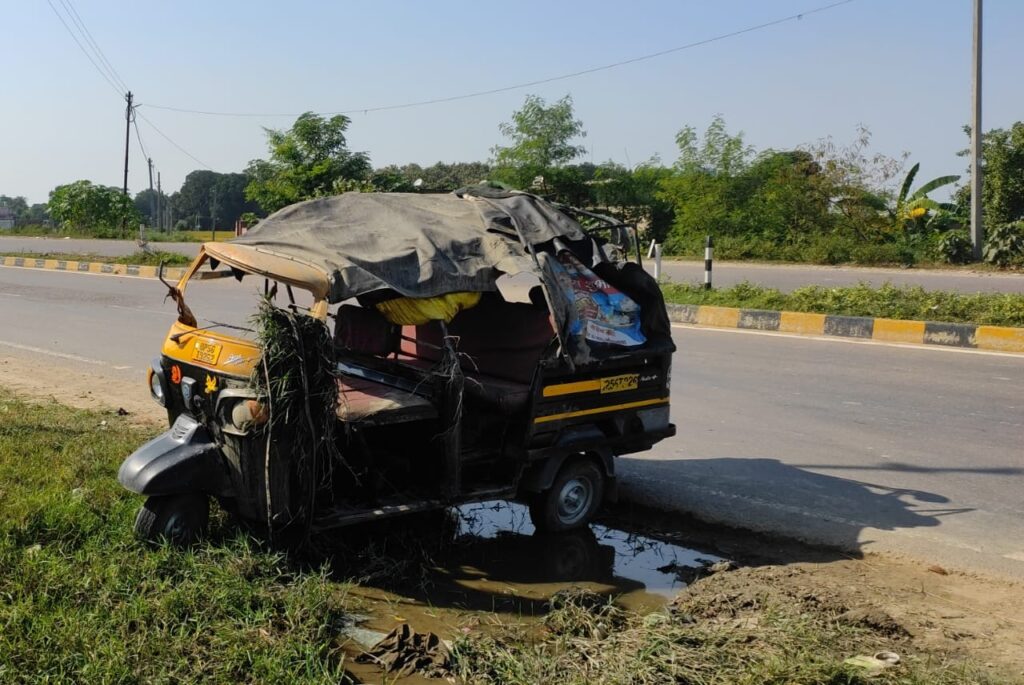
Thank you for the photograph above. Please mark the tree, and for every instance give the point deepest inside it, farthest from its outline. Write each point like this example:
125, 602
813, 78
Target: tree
101, 211
1002, 193
37, 213
144, 204
309, 160
17, 205
202, 188
541, 139
719, 153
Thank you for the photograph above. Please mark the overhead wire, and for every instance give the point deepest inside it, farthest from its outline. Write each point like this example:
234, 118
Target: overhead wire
77, 19
171, 141
99, 69
527, 84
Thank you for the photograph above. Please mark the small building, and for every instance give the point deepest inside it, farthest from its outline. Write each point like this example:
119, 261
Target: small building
7, 217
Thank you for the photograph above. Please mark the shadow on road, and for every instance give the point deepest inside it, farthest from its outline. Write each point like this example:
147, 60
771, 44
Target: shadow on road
767, 495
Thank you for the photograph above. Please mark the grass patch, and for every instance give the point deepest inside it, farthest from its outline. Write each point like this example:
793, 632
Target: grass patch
82, 602
756, 640
140, 258
188, 236
888, 301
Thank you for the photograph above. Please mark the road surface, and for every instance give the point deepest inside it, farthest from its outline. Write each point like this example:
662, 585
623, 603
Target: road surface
785, 277
868, 447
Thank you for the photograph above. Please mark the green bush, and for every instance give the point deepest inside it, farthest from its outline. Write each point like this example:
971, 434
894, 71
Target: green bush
1004, 245
954, 247
883, 253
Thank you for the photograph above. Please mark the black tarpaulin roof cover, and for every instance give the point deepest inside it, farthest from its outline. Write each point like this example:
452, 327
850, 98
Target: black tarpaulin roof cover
419, 245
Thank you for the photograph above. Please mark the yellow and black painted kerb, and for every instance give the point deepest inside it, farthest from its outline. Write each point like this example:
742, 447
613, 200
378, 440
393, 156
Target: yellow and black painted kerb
998, 338
173, 273
966, 335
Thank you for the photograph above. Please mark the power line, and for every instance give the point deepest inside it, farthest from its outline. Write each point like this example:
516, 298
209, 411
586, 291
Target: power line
77, 19
85, 52
528, 84
138, 137
169, 140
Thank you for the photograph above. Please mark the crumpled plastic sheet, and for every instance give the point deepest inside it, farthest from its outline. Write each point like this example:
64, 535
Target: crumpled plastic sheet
403, 652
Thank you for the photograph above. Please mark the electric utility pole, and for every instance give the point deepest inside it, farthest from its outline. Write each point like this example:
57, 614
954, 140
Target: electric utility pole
977, 227
159, 216
213, 214
128, 112
152, 197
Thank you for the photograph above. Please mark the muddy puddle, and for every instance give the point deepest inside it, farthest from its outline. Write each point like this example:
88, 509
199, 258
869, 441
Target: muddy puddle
484, 565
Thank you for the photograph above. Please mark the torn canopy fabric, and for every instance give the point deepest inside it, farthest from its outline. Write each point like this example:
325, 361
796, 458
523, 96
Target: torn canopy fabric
417, 245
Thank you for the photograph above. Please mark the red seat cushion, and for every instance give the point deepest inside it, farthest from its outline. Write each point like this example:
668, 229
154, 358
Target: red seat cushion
365, 331
496, 338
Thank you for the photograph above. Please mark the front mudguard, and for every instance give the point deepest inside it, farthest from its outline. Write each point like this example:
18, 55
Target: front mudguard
185, 459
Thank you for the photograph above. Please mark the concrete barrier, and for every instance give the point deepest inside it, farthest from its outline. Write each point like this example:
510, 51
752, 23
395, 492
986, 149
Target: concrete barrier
969, 335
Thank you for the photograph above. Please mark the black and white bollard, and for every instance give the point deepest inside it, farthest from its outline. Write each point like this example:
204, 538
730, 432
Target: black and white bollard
707, 263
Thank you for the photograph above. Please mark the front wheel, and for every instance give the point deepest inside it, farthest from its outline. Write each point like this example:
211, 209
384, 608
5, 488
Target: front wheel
572, 500
179, 519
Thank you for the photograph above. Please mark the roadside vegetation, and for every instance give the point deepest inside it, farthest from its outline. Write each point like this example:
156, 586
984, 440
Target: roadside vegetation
887, 302
829, 201
140, 258
83, 602
709, 637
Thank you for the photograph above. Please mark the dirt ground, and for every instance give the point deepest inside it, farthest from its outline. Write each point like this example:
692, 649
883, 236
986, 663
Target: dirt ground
933, 610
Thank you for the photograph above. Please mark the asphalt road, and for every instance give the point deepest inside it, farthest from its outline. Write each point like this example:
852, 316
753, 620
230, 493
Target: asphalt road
862, 446
781, 276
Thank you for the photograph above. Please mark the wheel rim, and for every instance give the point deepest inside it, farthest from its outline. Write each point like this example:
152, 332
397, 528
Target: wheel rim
178, 528
574, 500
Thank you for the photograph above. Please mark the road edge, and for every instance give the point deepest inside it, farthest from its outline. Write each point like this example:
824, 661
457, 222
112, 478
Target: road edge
960, 335
171, 273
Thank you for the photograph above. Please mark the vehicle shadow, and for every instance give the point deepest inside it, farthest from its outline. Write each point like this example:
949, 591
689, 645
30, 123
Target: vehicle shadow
768, 496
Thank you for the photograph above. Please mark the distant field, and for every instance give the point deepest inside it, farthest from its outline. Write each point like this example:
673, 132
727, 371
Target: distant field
189, 236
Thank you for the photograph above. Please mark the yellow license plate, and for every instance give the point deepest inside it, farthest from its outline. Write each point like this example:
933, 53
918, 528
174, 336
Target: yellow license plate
207, 353
629, 381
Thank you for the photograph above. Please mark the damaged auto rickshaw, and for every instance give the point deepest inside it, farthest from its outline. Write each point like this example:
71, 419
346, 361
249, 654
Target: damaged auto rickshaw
410, 352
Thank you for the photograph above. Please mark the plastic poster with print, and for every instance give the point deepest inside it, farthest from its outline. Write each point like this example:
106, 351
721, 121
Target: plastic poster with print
604, 314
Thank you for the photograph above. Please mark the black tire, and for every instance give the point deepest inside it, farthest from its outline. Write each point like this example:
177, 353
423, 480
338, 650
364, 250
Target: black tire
572, 500
179, 519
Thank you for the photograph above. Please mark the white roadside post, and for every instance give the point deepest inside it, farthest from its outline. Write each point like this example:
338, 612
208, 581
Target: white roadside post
708, 249
657, 262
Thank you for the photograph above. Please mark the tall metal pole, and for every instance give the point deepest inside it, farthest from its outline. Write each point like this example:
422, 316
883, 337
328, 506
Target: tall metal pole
977, 227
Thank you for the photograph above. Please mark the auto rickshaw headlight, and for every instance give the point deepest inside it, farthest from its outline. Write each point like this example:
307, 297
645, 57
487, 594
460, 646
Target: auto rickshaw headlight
238, 414
156, 386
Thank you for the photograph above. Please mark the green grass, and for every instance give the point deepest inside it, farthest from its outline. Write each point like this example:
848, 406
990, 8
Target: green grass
140, 258
887, 301
81, 601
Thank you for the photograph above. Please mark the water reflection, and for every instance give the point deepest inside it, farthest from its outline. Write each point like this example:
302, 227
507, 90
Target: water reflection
497, 540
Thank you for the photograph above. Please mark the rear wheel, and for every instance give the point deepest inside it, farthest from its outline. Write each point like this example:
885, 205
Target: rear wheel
178, 519
572, 500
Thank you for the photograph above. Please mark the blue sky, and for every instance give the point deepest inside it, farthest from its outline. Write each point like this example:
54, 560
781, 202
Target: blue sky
901, 67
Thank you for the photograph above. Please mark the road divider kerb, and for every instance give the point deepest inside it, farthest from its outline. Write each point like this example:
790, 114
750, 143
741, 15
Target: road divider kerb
170, 273
963, 335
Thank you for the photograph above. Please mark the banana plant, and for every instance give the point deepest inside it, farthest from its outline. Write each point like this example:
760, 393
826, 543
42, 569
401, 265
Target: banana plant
911, 206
